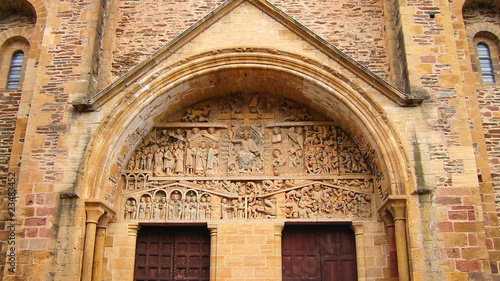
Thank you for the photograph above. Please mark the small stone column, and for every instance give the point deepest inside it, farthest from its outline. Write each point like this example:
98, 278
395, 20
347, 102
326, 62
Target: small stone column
396, 206
393, 259
401, 245
360, 250
99, 246
94, 210
278, 230
88, 248
213, 251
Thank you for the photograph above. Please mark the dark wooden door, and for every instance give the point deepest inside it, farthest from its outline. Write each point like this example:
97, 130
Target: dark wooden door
172, 253
320, 252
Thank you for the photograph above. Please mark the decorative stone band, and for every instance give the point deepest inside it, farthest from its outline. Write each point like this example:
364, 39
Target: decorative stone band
264, 199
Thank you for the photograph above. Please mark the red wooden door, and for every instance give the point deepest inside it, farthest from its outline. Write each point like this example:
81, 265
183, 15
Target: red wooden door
172, 253
325, 252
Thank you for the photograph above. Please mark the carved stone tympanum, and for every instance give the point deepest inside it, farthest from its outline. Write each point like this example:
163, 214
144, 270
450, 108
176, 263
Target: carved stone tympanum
248, 156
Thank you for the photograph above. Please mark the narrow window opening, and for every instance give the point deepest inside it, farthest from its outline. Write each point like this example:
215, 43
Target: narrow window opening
16, 66
485, 63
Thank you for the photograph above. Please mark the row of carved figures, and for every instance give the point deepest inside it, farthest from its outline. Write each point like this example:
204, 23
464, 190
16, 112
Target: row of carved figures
194, 207
325, 201
311, 201
318, 149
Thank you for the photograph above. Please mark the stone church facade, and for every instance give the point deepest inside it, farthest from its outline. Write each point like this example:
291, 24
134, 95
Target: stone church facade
249, 140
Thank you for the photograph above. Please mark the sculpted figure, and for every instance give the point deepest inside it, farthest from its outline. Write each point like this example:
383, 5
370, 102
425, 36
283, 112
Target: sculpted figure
311, 161
156, 210
161, 209
131, 164
164, 138
142, 208
296, 114
194, 135
179, 135
240, 208
130, 209
316, 195
142, 160
201, 159
226, 209
211, 134
297, 136
213, 159
148, 208
190, 159
158, 157
197, 115
186, 210
168, 160
175, 206
248, 150
179, 158
137, 160
149, 160
276, 137
278, 161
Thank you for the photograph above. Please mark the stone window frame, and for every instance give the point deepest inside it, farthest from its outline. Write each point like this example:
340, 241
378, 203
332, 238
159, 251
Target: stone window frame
7, 51
485, 39
488, 34
15, 70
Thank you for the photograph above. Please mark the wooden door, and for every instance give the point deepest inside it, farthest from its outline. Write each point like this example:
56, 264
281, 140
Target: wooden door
324, 252
172, 253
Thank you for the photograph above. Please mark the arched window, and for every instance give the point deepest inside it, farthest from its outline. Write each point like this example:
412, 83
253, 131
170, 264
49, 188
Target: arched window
485, 64
16, 65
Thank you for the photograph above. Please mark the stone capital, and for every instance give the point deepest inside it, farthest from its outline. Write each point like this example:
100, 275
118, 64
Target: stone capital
357, 227
95, 209
104, 220
133, 228
278, 228
394, 205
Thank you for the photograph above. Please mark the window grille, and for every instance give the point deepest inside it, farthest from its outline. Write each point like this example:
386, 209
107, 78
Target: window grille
485, 63
16, 66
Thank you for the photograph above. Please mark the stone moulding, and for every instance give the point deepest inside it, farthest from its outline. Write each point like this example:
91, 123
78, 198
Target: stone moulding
237, 58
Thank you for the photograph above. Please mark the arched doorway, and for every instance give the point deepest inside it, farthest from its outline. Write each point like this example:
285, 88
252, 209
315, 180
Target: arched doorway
221, 106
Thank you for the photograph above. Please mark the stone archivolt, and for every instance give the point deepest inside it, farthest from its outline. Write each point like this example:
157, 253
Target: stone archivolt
247, 156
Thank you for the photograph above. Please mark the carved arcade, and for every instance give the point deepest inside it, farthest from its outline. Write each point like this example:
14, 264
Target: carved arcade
247, 157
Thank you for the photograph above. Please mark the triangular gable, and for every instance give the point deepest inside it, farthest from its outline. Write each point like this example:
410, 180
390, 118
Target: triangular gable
221, 26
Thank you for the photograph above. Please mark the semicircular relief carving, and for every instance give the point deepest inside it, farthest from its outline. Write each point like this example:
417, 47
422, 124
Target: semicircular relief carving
249, 156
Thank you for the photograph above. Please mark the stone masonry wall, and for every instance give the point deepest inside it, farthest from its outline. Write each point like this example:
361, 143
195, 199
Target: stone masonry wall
455, 207
480, 14
15, 21
47, 245
489, 102
9, 105
489, 99
355, 27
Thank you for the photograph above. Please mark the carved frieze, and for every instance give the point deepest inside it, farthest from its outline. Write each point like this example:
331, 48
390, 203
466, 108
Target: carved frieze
228, 200
248, 156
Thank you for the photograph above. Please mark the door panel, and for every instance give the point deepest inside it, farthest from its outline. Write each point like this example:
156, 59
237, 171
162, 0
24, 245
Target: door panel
320, 252
172, 253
